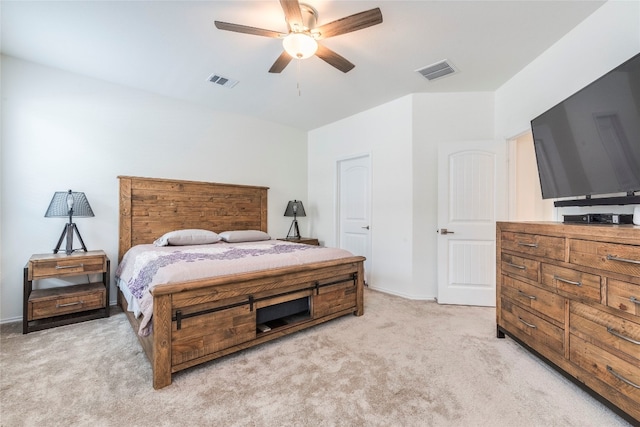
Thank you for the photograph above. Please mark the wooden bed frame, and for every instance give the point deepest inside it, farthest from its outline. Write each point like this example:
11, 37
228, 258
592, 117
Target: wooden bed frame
198, 321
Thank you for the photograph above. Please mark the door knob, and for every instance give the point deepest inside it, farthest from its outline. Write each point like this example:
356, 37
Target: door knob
366, 228
445, 231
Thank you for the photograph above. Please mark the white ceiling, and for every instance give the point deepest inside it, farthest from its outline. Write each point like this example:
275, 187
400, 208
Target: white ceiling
171, 48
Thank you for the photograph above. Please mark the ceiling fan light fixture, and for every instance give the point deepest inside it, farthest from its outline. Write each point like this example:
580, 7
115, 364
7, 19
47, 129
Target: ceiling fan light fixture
300, 45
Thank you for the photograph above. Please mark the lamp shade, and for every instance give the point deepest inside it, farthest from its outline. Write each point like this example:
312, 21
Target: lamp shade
294, 209
65, 203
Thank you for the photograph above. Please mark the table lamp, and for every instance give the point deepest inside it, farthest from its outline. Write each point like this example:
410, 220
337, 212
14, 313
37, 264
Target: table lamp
69, 204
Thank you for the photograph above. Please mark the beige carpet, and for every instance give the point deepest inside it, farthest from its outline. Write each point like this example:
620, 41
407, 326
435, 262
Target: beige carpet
404, 363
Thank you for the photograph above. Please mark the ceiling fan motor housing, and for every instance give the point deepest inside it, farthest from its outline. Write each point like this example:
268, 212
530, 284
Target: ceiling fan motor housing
309, 17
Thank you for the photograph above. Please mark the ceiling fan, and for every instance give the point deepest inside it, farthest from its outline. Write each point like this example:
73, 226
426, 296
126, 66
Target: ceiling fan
301, 41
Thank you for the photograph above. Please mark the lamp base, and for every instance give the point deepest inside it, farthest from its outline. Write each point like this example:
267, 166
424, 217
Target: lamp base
68, 231
296, 230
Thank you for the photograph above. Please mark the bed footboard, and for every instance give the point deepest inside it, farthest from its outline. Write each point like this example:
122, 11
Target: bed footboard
201, 321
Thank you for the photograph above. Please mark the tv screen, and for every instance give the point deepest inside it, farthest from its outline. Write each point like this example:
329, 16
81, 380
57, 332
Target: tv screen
589, 144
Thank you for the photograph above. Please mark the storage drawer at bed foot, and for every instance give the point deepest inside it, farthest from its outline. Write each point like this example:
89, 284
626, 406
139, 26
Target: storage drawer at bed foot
211, 332
545, 337
333, 299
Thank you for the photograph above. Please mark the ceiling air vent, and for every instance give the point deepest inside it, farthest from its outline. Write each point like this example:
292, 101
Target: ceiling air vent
437, 70
222, 81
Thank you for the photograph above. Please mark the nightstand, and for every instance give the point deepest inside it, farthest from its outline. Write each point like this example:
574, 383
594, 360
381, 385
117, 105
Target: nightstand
305, 240
63, 305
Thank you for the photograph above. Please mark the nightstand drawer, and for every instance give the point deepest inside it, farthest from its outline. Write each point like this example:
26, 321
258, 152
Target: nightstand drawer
45, 303
67, 265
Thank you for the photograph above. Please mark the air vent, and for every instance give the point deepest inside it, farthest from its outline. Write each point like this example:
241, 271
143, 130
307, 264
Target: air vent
437, 70
222, 81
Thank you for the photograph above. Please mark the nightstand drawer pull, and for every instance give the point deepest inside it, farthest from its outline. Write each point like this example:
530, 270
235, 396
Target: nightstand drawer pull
70, 304
532, 297
634, 300
619, 335
60, 267
527, 323
571, 282
529, 245
615, 258
519, 267
621, 378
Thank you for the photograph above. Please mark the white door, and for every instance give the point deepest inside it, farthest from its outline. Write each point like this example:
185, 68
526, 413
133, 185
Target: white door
472, 183
354, 208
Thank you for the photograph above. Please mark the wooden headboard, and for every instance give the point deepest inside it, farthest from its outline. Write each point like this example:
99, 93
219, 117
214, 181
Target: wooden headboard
150, 207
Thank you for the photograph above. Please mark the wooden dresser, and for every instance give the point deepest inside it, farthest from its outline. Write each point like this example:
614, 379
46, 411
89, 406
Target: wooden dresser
571, 294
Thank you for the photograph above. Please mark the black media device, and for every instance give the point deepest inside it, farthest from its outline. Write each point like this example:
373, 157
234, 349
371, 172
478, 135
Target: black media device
599, 219
589, 144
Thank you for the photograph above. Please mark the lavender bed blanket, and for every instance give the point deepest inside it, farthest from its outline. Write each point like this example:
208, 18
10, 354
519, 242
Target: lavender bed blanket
146, 266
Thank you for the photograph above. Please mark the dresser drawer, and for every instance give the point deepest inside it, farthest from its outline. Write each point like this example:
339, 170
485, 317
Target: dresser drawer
544, 336
534, 244
519, 266
624, 259
573, 282
524, 294
622, 376
45, 303
605, 329
66, 266
624, 296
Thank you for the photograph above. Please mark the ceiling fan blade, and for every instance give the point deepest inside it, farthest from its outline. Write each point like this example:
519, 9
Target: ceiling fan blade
350, 23
280, 64
292, 13
332, 58
247, 30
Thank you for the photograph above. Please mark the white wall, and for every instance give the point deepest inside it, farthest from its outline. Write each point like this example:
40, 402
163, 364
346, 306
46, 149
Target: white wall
439, 118
63, 131
604, 40
600, 43
402, 137
383, 132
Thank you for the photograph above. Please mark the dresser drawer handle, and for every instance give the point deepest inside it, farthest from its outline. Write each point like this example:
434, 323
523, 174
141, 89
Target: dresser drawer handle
533, 297
70, 304
634, 300
615, 258
560, 279
529, 245
619, 335
527, 323
519, 267
60, 267
621, 378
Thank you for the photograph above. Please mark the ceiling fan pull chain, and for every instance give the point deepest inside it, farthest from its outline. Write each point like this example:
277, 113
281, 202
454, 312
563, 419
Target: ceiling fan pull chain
299, 92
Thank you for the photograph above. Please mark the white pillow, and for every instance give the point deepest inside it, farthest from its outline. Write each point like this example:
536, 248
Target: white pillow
186, 237
244, 236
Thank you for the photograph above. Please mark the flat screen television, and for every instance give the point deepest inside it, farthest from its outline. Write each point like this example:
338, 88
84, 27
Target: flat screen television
589, 144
